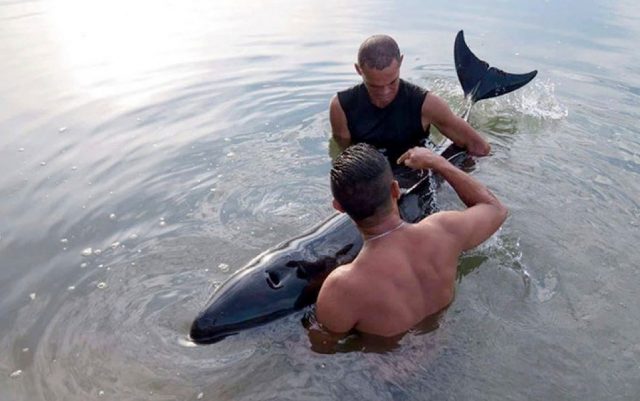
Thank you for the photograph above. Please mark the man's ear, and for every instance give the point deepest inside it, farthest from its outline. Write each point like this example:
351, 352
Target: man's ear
400, 61
338, 206
358, 69
395, 190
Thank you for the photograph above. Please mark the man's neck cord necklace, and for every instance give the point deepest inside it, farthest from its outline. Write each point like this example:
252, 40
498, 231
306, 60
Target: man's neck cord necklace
384, 234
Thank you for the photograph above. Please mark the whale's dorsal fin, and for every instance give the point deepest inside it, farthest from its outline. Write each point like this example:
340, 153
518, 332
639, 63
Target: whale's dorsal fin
479, 80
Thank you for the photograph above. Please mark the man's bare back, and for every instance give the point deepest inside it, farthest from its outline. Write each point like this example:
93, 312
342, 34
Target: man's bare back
399, 279
406, 272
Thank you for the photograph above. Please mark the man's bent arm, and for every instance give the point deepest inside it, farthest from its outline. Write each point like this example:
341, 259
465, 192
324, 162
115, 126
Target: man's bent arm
339, 127
470, 191
436, 111
485, 213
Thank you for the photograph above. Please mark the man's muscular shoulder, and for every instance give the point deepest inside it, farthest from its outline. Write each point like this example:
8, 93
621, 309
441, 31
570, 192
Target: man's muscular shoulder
336, 285
443, 230
435, 232
335, 307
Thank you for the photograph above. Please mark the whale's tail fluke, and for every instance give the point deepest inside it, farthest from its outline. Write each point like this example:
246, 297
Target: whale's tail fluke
479, 80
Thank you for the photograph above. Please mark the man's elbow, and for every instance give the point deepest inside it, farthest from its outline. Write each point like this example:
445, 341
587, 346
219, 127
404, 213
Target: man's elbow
479, 148
502, 212
485, 149
498, 211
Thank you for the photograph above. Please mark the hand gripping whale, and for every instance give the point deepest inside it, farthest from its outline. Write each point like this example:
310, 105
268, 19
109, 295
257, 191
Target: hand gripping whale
288, 277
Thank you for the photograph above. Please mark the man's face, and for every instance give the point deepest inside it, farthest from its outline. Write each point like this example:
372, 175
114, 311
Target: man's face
382, 85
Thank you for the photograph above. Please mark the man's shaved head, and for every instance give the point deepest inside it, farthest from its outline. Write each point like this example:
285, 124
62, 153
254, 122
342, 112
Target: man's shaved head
378, 51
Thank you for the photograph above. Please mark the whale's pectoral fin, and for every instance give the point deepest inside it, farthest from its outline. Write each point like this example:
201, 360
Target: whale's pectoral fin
479, 80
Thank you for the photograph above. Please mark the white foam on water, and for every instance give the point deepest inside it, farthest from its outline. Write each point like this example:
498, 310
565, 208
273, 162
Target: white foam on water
186, 342
536, 99
509, 253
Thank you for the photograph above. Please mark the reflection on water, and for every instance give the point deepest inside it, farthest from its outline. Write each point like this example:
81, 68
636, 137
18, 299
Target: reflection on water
152, 148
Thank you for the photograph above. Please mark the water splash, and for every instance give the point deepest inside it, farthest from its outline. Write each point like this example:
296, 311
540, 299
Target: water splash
536, 100
508, 252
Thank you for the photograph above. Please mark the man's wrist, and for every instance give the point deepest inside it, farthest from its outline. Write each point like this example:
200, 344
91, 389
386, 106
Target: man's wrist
441, 164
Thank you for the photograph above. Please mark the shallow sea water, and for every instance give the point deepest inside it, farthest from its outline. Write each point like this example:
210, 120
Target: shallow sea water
150, 149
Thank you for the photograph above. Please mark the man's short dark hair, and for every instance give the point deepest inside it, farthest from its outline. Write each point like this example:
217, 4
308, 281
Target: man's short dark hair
361, 181
378, 51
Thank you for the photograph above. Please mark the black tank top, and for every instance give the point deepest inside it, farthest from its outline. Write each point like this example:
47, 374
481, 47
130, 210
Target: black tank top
393, 129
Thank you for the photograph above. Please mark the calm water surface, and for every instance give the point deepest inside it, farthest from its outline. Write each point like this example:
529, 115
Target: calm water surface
150, 149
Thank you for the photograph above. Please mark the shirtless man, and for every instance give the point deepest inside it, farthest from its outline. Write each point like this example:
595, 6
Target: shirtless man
404, 272
390, 113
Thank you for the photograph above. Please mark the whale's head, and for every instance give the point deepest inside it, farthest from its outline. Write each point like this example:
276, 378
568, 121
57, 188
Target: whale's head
278, 281
269, 288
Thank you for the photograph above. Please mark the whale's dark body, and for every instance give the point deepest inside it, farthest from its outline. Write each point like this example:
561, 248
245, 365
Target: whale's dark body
288, 277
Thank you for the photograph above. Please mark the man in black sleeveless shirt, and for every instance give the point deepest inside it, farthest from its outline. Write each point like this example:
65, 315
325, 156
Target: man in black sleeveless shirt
390, 113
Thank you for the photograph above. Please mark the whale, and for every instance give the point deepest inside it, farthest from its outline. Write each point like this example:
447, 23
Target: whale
288, 277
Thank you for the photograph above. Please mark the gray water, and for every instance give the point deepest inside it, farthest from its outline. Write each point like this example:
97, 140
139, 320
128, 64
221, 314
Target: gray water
151, 148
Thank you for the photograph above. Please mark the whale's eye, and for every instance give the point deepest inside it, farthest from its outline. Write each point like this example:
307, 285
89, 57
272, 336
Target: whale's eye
273, 280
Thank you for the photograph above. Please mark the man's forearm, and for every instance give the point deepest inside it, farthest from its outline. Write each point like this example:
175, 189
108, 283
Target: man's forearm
470, 191
474, 142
